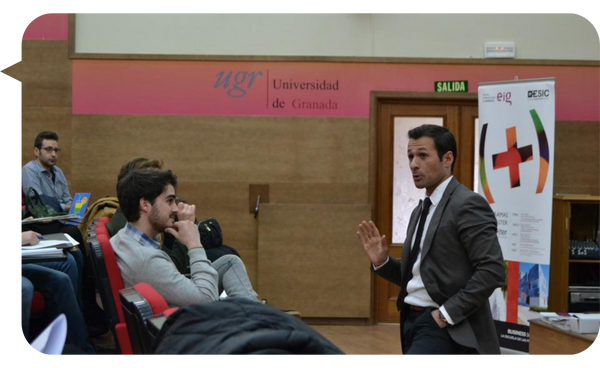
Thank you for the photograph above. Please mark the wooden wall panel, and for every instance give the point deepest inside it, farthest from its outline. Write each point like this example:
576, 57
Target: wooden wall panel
330, 193
577, 155
234, 149
310, 260
45, 71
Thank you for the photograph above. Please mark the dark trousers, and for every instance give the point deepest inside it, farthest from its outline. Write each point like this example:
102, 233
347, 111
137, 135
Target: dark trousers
422, 335
57, 289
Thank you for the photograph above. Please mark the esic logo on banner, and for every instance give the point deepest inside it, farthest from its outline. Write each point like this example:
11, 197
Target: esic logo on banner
538, 94
516, 155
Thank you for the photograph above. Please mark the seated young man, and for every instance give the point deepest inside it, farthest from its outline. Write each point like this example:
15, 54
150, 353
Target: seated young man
175, 250
147, 199
43, 175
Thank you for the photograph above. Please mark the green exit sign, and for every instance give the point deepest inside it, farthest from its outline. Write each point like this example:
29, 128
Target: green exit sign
451, 86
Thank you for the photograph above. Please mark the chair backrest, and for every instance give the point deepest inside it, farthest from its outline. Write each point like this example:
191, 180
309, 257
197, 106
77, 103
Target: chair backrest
108, 276
109, 282
139, 304
102, 230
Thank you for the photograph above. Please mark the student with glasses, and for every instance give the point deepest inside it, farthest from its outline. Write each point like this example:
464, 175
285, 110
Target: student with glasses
43, 175
48, 180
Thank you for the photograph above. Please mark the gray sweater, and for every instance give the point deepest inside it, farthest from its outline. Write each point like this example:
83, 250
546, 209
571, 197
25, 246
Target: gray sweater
146, 264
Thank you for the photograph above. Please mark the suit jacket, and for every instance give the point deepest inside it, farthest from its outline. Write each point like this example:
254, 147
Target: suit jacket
461, 265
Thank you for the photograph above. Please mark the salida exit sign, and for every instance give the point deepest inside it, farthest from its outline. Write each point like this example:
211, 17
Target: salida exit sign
451, 86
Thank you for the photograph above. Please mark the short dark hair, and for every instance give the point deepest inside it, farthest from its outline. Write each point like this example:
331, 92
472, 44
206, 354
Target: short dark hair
142, 183
139, 163
442, 138
46, 134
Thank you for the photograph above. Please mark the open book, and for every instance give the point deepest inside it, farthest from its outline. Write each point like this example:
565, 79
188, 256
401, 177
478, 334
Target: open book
50, 245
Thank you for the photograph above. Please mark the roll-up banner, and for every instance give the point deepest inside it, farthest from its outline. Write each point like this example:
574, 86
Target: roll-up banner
516, 166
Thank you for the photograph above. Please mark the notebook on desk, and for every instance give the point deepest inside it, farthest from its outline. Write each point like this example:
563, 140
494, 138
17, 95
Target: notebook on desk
78, 207
49, 249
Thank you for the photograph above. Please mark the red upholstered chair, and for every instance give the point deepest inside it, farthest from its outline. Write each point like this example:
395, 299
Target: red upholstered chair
101, 229
141, 303
109, 282
97, 227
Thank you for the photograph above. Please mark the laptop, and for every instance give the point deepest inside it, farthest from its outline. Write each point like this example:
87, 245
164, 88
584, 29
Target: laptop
78, 207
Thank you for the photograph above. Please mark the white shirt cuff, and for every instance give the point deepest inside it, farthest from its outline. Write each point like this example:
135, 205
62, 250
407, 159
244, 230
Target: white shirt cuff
446, 315
375, 268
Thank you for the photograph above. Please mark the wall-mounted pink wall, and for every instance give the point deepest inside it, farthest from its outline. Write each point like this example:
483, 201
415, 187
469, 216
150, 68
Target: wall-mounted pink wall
256, 88
48, 27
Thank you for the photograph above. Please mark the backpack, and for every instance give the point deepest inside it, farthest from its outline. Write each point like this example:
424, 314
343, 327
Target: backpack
211, 235
36, 207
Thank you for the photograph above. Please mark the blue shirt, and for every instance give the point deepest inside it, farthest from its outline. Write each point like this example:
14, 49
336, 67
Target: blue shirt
141, 237
36, 177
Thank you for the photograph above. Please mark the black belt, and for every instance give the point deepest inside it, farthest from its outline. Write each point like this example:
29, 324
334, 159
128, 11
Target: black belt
414, 308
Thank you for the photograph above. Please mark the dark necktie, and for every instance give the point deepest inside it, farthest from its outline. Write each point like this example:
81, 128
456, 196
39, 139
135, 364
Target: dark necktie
414, 253
416, 248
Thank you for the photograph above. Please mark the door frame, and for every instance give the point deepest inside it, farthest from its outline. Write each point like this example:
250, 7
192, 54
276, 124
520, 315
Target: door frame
379, 146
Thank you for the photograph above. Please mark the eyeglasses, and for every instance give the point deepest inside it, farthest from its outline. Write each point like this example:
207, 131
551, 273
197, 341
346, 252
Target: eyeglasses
50, 149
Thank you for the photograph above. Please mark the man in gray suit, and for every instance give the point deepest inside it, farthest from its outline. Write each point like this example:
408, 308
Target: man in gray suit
451, 262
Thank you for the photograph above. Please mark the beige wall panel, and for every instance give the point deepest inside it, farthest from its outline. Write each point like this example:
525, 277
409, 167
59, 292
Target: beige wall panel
330, 193
45, 71
577, 155
233, 149
310, 260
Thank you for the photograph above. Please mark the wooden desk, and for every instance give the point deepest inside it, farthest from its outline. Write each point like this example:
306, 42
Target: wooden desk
547, 339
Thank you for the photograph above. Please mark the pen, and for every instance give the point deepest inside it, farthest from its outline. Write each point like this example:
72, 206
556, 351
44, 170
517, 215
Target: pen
41, 238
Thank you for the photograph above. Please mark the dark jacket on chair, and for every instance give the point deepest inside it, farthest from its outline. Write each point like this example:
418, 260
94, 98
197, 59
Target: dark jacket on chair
238, 326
